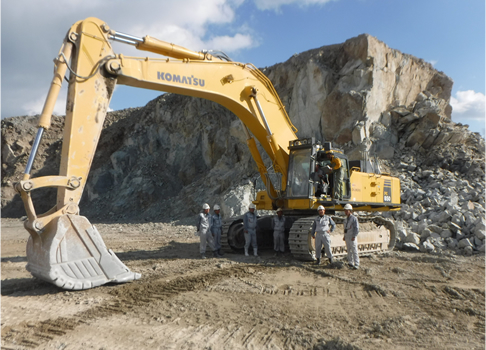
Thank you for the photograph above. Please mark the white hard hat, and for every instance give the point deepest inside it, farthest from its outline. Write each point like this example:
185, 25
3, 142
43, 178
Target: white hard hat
252, 206
348, 207
321, 208
217, 207
206, 206
279, 209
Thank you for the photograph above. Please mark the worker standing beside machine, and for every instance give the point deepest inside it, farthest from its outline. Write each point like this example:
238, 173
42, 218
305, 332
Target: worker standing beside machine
351, 230
322, 226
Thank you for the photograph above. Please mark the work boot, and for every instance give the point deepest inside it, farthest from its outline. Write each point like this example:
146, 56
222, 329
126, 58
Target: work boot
246, 252
331, 260
255, 251
220, 253
318, 262
203, 256
216, 255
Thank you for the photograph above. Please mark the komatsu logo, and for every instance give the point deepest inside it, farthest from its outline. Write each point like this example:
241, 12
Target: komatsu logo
175, 78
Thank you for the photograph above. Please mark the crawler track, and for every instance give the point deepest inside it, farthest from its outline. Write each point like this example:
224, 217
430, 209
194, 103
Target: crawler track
232, 235
300, 243
373, 237
224, 235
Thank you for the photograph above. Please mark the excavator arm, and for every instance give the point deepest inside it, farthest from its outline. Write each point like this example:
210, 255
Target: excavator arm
63, 247
241, 88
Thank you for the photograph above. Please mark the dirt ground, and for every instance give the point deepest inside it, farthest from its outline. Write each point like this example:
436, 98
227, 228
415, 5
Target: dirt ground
397, 300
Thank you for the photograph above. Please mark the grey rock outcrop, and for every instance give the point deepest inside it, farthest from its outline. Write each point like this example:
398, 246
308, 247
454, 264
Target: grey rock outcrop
161, 162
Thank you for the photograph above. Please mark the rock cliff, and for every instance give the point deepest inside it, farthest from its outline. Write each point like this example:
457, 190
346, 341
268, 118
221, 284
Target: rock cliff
162, 161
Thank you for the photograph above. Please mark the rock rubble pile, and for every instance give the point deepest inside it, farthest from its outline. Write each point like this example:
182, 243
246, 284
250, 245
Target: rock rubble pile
443, 201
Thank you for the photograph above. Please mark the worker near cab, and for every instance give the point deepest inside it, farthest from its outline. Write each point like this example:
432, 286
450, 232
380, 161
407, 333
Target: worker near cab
278, 225
351, 231
216, 229
249, 227
336, 167
318, 177
322, 226
204, 231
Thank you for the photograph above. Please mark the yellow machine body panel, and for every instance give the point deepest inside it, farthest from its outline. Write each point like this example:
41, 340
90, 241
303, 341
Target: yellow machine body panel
374, 188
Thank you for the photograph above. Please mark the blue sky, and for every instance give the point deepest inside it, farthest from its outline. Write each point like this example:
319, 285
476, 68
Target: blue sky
450, 34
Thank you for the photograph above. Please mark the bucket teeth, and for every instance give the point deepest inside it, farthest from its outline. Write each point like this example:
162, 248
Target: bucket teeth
71, 254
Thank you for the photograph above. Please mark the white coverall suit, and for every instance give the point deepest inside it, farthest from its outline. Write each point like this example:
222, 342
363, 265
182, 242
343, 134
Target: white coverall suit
204, 231
278, 233
250, 224
320, 228
351, 229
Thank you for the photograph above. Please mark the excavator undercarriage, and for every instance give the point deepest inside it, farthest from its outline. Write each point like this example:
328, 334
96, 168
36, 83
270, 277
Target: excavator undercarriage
377, 234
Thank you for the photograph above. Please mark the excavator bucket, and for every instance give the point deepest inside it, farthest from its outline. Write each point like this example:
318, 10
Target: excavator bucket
71, 254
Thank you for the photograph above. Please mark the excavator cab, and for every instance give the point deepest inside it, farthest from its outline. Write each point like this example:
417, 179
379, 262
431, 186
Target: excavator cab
306, 157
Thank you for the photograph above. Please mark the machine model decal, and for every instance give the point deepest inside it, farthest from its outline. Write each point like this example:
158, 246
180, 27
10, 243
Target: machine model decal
387, 191
361, 247
175, 78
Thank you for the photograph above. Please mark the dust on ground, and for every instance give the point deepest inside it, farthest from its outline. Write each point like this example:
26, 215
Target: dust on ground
397, 300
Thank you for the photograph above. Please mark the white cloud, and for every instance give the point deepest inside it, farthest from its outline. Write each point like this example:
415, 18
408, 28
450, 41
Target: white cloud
231, 44
33, 107
37, 28
276, 4
468, 105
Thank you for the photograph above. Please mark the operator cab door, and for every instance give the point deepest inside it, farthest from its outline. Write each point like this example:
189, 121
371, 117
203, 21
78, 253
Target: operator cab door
301, 165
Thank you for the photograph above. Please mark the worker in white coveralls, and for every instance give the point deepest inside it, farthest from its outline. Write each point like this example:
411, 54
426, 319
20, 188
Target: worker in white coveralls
278, 224
204, 231
216, 227
322, 226
351, 230
249, 227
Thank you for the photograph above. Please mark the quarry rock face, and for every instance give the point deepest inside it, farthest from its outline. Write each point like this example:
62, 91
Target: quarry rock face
163, 161
351, 94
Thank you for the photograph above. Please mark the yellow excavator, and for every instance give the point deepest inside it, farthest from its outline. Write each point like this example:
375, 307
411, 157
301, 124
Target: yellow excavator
66, 250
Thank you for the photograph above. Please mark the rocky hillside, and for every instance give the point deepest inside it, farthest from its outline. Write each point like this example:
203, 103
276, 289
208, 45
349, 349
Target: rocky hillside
161, 162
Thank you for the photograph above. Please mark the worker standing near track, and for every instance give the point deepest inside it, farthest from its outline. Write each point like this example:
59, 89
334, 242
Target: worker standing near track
204, 231
322, 226
216, 227
351, 230
249, 227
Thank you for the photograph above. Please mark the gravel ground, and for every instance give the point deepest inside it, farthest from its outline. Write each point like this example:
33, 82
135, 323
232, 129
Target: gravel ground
397, 300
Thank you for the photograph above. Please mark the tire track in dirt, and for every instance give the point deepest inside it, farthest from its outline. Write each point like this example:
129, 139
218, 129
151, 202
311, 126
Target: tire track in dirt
134, 298
130, 296
190, 302
434, 301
